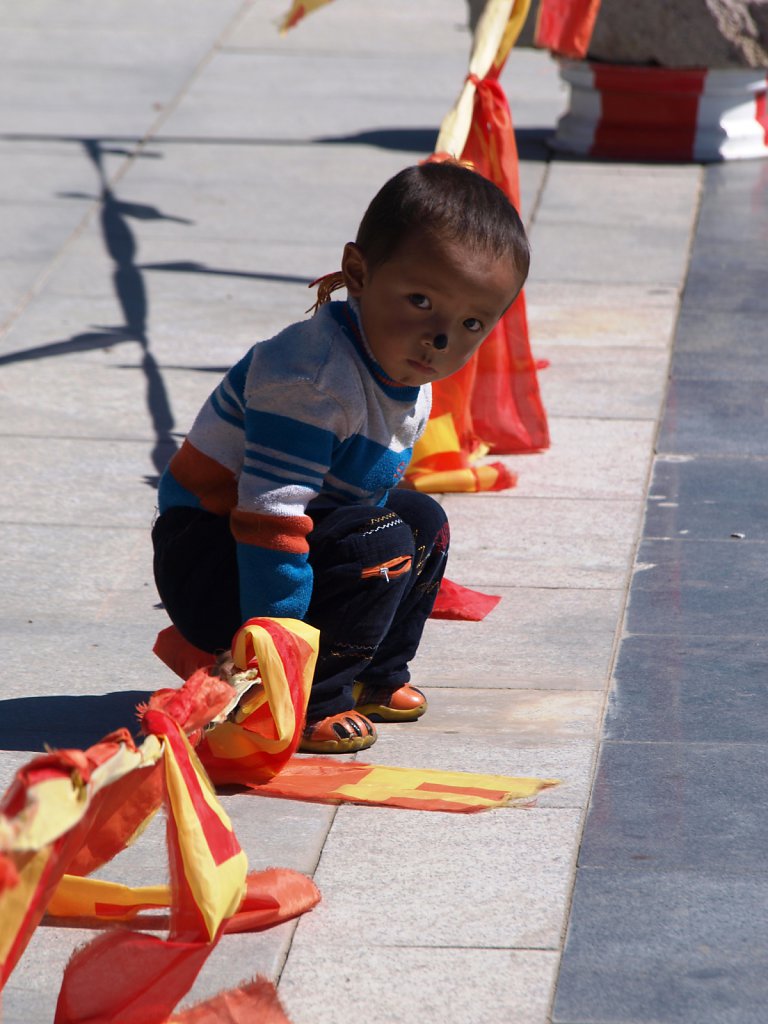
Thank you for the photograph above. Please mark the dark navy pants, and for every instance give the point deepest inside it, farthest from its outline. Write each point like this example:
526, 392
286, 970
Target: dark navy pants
376, 574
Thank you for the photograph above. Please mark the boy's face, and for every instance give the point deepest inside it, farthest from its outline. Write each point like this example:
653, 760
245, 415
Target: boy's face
428, 288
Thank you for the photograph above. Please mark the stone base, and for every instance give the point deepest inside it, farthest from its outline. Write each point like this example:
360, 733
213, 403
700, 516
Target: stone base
628, 112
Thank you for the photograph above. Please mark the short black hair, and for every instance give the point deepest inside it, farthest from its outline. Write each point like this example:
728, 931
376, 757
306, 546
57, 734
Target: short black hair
446, 200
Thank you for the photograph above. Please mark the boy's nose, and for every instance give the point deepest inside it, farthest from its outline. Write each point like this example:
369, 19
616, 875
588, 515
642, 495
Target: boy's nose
435, 336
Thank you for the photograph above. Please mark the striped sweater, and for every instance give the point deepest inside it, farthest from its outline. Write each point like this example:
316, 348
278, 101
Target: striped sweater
305, 421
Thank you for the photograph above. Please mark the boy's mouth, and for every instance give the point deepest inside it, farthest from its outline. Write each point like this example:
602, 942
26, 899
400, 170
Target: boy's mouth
421, 367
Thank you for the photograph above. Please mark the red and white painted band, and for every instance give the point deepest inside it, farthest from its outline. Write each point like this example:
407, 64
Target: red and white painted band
633, 112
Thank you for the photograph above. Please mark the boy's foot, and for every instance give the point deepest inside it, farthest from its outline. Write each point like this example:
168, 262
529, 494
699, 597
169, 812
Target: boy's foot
338, 734
405, 704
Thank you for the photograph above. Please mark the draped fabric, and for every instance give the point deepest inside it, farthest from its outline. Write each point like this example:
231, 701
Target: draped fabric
565, 26
327, 780
69, 812
493, 403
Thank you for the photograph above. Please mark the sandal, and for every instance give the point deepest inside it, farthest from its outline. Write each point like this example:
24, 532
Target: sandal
338, 734
404, 704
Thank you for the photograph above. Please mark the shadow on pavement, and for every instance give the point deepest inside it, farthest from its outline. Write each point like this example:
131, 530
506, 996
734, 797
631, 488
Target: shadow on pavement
78, 721
531, 142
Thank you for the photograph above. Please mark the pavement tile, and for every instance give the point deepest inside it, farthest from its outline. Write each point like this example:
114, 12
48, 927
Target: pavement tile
565, 313
689, 689
278, 833
191, 191
43, 86
78, 573
236, 962
541, 638
454, 986
242, 296
114, 481
588, 459
537, 97
532, 178
639, 195
581, 325
733, 208
605, 296
147, 17
582, 252
715, 417
31, 992
715, 345
224, 103
746, 291
545, 734
535, 542
681, 947
79, 656
663, 924
604, 382
504, 874
121, 378
43, 200
703, 498
677, 805
698, 589
435, 26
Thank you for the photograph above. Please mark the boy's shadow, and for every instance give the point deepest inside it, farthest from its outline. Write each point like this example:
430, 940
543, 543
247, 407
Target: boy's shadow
75, 721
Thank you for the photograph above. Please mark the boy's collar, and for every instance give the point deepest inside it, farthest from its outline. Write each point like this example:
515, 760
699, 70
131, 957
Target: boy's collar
352, 320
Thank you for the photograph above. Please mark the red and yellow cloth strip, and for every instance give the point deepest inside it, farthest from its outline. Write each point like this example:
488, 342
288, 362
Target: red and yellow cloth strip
300, 9
246, 752
68, 812
264, 729
325, 780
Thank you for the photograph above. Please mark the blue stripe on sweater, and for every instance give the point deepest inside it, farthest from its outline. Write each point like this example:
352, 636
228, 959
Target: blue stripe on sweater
230, 406
239, 373
284, 476
221, 412
292, 437
257, 456
171, 493
232, 402
363, 463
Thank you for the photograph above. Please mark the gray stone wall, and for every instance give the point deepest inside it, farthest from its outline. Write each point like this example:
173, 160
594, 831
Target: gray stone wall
671, 33
683, 33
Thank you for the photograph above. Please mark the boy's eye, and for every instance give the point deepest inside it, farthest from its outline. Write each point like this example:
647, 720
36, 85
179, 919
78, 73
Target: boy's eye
420, 301
473, 324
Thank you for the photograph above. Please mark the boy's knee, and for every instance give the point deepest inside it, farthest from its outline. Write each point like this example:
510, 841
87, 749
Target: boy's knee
415, 507
385, 536
371, 536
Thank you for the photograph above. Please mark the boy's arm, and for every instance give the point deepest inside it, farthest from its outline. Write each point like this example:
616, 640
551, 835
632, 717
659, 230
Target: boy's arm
287, 456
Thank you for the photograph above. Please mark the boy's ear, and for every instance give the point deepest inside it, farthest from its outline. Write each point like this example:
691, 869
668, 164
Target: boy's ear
354, 269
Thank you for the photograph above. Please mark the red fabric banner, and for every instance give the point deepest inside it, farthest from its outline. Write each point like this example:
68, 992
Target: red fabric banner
565, 26
506, 408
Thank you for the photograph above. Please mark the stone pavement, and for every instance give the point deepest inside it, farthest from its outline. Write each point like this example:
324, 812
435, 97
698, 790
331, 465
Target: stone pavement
171, 177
